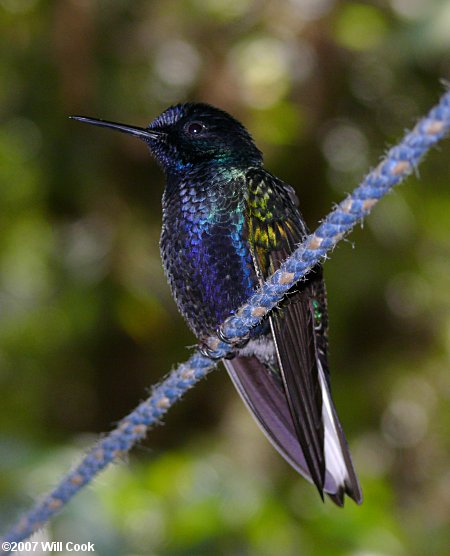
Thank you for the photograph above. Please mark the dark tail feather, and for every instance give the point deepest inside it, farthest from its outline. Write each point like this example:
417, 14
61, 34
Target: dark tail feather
268, 405
264, 396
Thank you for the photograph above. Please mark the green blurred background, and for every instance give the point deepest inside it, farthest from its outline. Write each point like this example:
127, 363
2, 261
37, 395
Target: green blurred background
87, 322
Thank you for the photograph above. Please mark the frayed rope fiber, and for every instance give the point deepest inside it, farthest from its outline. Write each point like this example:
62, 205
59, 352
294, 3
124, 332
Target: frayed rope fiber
399, 162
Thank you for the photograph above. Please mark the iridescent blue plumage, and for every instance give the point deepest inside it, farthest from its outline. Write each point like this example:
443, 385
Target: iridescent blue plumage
206, 258
227, 224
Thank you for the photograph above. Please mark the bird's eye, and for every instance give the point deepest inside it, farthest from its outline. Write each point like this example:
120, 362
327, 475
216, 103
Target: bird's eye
195, 128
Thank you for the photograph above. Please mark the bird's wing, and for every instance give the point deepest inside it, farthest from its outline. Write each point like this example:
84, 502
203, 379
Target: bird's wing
299, 417
275, 226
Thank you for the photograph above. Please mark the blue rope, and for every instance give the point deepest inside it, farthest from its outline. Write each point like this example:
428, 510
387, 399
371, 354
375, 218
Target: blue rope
399, 162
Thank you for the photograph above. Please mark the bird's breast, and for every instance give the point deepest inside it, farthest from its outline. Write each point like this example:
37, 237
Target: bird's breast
206, 256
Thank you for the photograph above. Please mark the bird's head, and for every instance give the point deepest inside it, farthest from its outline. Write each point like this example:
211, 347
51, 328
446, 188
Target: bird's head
192, 134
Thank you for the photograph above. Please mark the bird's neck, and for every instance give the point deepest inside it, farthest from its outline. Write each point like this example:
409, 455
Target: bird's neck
210, 185
222, 165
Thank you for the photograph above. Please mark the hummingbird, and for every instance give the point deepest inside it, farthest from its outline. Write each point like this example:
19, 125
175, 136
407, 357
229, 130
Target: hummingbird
228, 223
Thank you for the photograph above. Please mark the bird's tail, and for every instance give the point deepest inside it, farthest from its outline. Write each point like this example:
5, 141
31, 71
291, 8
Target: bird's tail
337, 455
265, 398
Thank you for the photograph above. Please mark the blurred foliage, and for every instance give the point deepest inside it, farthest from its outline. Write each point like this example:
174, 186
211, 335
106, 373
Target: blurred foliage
87, 322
